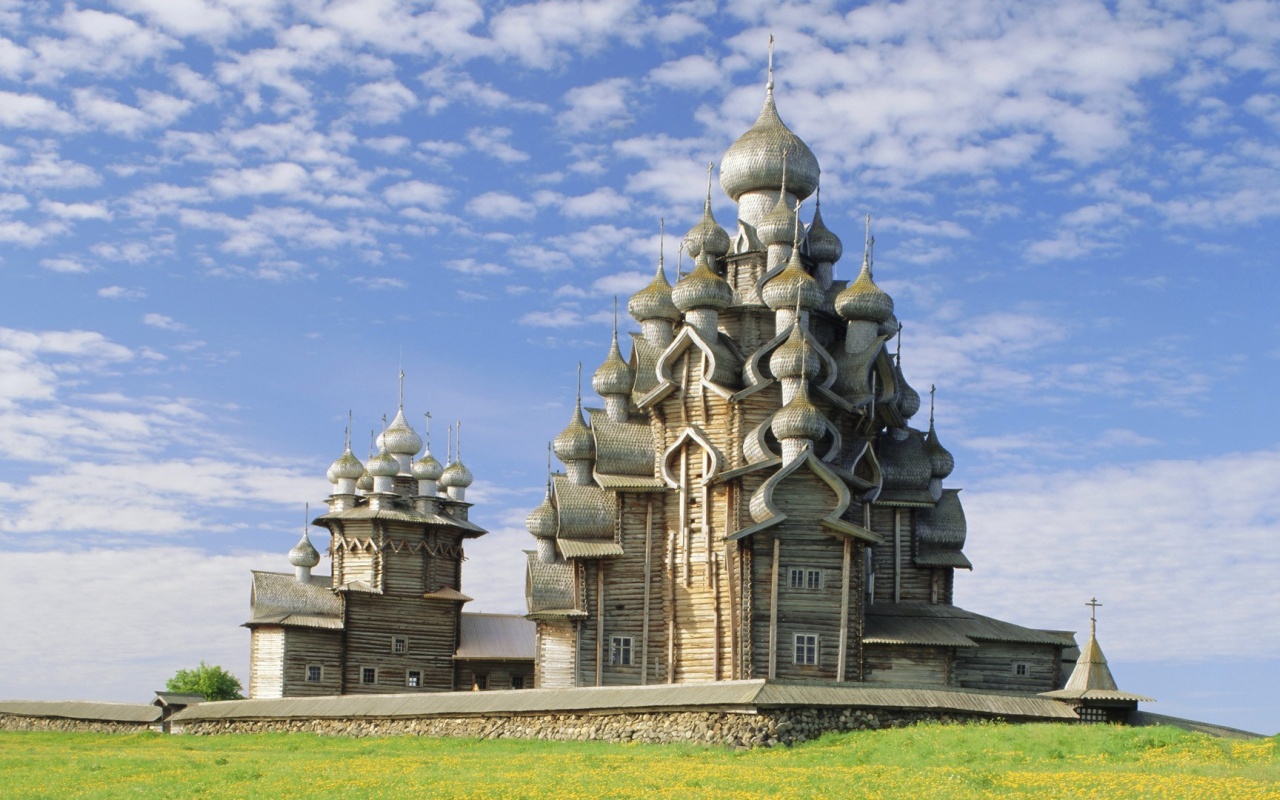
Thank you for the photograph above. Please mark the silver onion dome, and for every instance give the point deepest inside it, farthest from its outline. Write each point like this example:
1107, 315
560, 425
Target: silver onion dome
365, 482
304, 554
383, 465
654, 300
347, 466
791, 287
575, 442
614, 376
824, 246
908, 398
400, 438
427, 468
794, 358
702, 288
754, 162
940, 459
707, 236
863, 301
799, 419
779, 224
541, 521
456, 474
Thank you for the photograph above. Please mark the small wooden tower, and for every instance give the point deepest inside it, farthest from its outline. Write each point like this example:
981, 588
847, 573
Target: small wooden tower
1091, 688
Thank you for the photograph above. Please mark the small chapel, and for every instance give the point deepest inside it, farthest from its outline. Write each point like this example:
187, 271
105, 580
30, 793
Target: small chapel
755, 498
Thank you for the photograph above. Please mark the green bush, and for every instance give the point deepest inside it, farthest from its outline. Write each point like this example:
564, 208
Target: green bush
209, 680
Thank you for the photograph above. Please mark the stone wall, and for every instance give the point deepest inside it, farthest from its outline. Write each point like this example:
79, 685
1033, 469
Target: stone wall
14, 722
738, 730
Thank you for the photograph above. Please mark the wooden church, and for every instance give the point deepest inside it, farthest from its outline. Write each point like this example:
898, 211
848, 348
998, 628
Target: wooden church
754, 501
389, 619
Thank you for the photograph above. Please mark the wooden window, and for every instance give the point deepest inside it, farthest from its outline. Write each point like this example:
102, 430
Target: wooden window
517, 681
804, 579
1021, 669
1092, 714
413, 679
479, 681
806, 649
399, 645
620, 651
368, 675
315, 673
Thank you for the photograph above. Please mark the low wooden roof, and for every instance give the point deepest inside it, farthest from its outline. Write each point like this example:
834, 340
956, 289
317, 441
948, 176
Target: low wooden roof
1092, 680
496, 637
82, 709
729, 695
915, 623
279, 598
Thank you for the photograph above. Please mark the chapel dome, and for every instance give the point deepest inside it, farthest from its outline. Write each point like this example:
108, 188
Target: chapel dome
794, 358
400, 438
754, 162
799, 419
304, 553
654, 300
427, 468
863, 301
791, 286
614, 376
575, 442
346, 467
702, 288
823, 245
541, 521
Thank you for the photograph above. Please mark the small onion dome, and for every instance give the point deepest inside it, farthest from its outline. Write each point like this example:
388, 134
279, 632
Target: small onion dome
755, 161
383, 465
792, 286
365, 482
890, 326
400, 438
908, 398
779, 225
575, 442
939, 457
346, 467
614, 376
304, 554
800, 419
903, 461
541, 521
794, 359
824, 246
654, 300
707, 236
863, 301
456, 475
427, 468
702, 288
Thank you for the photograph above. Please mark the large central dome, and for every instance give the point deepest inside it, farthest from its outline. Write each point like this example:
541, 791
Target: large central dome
754, 162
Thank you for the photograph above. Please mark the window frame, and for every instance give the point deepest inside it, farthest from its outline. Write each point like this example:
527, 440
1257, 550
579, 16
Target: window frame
319, 678
402, 642
805, 579
807, 647
1021, 669
364, 671
517, 679
413, 678
621, 651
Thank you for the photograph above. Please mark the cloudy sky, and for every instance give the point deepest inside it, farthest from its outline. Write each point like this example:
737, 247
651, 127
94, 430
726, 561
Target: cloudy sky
224, 223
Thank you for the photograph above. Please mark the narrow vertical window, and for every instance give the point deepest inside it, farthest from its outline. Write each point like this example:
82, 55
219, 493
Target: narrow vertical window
413, 679
399, 645
517, 681
620, 651
368, 675
315, 673
806, 649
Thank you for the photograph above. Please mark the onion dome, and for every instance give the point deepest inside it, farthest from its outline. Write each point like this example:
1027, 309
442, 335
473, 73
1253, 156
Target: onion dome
800, 419
824, 246
794, 358
304, 554
541, 521
456, 475
400, 438
427, 468
654, 300
754, 162
365, 482
863, 301
940, 458
890, 326
908, 398
702, 288
614, 376
347, 467
383, 465
707, 236
793, 286
778, 225
576, 442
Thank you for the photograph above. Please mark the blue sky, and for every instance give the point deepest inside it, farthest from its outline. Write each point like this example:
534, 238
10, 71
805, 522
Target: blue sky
224, 223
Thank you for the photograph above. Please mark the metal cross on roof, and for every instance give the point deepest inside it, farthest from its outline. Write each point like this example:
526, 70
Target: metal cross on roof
1093, 615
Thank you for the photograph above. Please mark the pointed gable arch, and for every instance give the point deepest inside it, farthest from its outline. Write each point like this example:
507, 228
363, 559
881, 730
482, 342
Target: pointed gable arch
692, 435
721, 371
765, 510
756, 373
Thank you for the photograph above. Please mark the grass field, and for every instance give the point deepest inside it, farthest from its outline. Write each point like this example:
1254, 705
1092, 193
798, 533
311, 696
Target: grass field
929, 761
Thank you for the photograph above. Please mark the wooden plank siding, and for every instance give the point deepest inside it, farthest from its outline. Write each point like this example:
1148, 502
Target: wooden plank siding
307, 647
909, 665
266, 662
555, 666
991, 665
430, 628
491, 675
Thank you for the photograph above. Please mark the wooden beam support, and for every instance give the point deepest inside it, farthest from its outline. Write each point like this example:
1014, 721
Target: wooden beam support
599, 622
897, 555
648, 577
844, 611
773, 611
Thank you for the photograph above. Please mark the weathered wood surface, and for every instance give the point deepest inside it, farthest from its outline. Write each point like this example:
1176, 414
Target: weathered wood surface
266, 662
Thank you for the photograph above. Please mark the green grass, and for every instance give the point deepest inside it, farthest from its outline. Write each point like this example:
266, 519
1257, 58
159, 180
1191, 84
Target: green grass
929, 761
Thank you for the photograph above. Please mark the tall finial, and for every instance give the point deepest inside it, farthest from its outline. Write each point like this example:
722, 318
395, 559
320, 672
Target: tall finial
615, 319
897, 357
347, 433
769, 86
680, 261
785, 152
384, 422
459, 429
795, 238
373, 435
1093, 616
710, 168
932, 389
401, 400
306, 515
448, 452
579, 386
428, 416
548, 467
866, 248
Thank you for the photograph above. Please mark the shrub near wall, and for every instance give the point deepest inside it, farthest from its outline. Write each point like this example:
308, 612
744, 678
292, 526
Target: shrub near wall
739, 730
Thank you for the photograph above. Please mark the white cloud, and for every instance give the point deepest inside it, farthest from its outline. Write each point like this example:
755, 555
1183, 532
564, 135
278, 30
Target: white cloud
696, 72
599, 107
1145, 538
560, 317
494, 206
33, 111
381, 102
70, 265
75, 210
378, 283
161, 322
121, 293
470, 266
279, 178
418, 193
495, 142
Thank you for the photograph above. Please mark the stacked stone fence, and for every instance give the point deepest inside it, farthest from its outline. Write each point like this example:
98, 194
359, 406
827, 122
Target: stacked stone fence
17, 722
